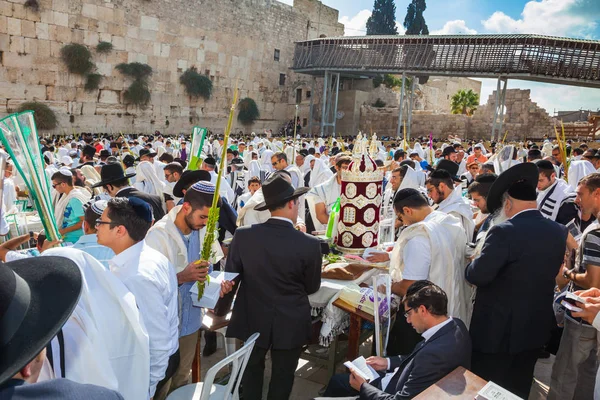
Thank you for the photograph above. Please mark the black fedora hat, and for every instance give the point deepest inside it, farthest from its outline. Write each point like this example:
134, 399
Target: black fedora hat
526, 173
110, 173
89, 151
277, 190
451, 167
37, 297
187, 179
146, 152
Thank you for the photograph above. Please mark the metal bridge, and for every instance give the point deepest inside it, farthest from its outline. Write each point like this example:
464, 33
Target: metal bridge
527, 57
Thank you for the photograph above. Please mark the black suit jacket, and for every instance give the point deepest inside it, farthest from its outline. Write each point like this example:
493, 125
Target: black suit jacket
154, 201
279, 267
515, 278
55, 389
430, 361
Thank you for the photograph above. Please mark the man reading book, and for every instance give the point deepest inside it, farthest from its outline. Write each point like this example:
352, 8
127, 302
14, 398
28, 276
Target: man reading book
446, 345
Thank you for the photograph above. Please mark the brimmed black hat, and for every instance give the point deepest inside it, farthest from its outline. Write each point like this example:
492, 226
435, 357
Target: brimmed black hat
146, 152
187, 179
37, 297
277, 190
110, 173
526, 175
89, 151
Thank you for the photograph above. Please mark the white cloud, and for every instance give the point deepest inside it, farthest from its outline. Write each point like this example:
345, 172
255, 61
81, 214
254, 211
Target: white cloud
289, 2
544, 17
357, 25
456, 27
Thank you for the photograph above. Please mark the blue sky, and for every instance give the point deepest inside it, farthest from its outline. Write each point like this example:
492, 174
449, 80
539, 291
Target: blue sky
568, 18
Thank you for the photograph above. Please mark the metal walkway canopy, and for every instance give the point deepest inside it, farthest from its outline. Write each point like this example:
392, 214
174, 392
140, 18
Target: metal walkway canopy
528, 57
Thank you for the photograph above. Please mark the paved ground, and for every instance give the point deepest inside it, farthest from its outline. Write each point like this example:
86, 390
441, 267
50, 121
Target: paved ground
311, 379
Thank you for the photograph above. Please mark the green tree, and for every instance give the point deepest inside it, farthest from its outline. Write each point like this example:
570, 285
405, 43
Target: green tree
414, 22
464, 102
383, 19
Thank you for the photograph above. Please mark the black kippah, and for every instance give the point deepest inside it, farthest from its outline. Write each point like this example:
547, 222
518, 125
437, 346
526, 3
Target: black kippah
440, 174
522, 190
405, 194
210, 161
486, 178
545, 164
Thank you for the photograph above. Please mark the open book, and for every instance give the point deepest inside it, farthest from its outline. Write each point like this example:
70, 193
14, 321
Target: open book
491, 391
362, 369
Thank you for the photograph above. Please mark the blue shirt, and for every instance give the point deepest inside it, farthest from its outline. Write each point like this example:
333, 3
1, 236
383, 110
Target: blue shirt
89, 244
72, 216
191, 317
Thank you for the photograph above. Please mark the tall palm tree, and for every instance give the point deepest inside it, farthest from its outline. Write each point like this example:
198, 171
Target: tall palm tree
464, 102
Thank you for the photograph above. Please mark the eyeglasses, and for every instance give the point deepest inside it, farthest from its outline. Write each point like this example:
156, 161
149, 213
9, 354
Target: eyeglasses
100, 222
167, 176
54, 185
275, 163
408, 312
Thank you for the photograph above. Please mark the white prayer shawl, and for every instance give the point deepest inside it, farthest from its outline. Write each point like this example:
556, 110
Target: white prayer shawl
225, 191
159, 168
61, 204
306, 166
105, 340
578, 170
457, 206
547, 149
413, 180
447, 241
265, 160
249, 216
290, 153
166, 238
462, 167
550, 200
320, 173
255, 170
147, 181
419, 150
328, 192
297, 176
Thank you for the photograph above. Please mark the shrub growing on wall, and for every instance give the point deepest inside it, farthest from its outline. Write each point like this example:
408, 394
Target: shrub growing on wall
137, 93
196, 85
45, 118
248, 111
77, 58
92, 82
104, 47
379, 103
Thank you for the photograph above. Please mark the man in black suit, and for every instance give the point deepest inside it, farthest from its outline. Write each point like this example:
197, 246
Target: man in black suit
279, 267
116, 183
445, 347
515, 278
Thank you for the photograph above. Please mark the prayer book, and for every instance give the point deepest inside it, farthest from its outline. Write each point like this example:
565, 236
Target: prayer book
362, 369
491, 391
212, 289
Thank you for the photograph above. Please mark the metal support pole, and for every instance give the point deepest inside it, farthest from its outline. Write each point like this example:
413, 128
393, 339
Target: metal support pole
498, 121
337, 92
324, 100
401, 108
310, 109
410, 107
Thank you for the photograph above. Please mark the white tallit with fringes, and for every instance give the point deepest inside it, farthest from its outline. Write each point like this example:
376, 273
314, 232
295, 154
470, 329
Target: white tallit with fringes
447, 241
550, 200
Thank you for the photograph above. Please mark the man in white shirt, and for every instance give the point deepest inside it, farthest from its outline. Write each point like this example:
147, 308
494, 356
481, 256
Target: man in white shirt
325, 195
10, 193
149, 276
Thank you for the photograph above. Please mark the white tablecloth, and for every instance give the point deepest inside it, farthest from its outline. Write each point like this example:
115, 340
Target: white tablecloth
26, 223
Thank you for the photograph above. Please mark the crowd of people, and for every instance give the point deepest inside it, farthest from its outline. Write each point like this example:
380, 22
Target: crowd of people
483, 242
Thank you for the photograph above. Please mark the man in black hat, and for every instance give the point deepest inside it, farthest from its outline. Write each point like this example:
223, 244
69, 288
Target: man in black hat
87, 156
515, 278
279, 267
32, 312
116, 183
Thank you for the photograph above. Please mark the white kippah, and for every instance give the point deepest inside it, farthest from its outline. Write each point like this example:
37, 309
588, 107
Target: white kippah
204, 187
65, 171
99, 206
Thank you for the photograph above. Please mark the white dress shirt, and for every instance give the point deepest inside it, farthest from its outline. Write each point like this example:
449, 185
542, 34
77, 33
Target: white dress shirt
150, 277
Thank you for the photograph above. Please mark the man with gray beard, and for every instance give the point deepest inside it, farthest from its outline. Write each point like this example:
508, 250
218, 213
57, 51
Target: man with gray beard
515, 277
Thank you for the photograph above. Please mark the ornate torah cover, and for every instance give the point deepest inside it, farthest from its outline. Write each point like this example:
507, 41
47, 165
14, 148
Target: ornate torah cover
360, 200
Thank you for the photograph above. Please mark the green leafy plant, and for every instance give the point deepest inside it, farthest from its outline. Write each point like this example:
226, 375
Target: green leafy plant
104, 47
248, 111
464, 102
383, 19
196, 85
137, 93
135, 70
379, 103
92, 82
77, 58
391, 81
45, 118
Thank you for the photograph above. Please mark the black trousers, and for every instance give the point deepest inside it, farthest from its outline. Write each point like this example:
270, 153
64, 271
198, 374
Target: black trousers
339, 386
171, 369
284, 364
403, 337
513, 372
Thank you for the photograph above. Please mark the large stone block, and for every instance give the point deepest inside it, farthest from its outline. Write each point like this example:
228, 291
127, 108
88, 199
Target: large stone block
3, 24
28, 28
89, 10
118, 42
109, 96
91, 38
14, 26
61, 19
17, 45
150, 23
41, 30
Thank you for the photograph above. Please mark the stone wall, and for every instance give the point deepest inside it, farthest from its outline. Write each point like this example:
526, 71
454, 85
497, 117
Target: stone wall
523, 119
233, 42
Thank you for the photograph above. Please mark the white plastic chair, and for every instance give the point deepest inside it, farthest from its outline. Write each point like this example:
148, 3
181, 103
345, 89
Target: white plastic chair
207, 390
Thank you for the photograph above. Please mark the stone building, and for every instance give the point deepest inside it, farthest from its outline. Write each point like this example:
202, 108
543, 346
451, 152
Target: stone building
245, 42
